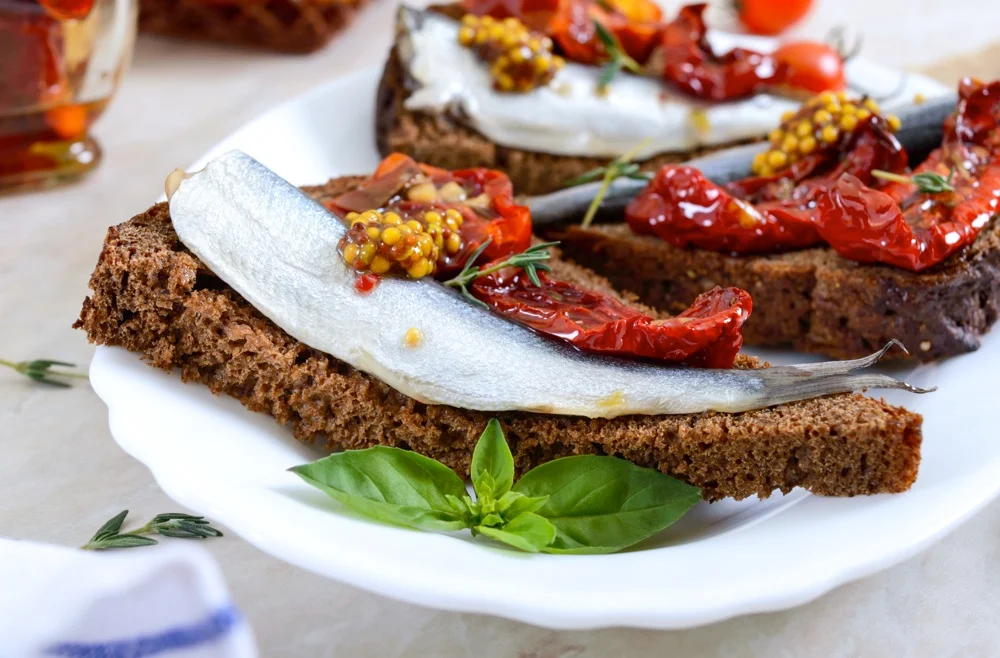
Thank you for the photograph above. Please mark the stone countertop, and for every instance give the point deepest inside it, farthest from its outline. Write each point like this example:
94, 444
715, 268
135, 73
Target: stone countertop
63, 475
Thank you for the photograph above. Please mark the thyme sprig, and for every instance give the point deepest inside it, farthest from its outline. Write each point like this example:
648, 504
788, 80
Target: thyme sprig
173, 524
618, 59
927, 182
41, 371
531, 260
621, 167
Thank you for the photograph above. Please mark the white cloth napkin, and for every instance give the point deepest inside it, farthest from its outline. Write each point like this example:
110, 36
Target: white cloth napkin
168, 600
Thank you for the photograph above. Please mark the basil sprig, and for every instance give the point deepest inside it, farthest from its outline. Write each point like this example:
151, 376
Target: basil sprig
581, 504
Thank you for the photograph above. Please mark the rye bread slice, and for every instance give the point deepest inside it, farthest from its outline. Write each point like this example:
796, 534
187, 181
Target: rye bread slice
812, 299
443, 140
151, 296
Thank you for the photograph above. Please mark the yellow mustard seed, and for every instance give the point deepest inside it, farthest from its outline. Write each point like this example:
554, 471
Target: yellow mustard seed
391, 235
420, 269
803, 128
894, 122
413, 337
426, 244
777, 159
807, 145
863, 114
829, 134
790, 144
848, 123
822, 116
350, 252
454, 243
373, 232
380, 265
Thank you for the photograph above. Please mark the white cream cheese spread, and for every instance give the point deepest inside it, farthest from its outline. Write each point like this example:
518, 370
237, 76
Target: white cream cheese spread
569, 118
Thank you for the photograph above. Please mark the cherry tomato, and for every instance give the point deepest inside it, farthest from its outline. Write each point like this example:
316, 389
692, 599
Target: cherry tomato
810, 65
771, 16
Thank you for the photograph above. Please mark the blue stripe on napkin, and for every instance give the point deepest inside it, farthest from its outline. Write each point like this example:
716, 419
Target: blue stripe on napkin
211, 628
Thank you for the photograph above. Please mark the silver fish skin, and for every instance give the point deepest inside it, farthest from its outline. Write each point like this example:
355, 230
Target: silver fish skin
920, 132
278, 248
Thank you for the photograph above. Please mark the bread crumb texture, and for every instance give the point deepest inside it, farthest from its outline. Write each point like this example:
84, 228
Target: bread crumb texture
151, 296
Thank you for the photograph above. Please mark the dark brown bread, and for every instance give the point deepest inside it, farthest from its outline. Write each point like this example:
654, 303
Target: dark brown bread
297, 26
151, 296
443, 141
813, 299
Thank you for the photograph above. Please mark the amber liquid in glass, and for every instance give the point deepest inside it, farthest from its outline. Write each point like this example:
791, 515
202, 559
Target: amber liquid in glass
59, 65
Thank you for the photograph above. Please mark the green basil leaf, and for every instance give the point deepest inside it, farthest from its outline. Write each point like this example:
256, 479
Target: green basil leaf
390, 484
529, 532
483, 486
492, 520
513, 504
604, 504
492, 456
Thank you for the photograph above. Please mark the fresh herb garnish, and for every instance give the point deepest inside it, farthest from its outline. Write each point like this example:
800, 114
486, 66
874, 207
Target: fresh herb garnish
927, 182
580, 504
618, 59
174, 524
531, 260
621, 167
41, 371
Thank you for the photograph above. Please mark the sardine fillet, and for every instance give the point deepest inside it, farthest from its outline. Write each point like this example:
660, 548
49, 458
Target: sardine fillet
152, 297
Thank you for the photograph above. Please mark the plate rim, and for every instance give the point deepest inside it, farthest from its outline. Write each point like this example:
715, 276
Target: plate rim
536, 613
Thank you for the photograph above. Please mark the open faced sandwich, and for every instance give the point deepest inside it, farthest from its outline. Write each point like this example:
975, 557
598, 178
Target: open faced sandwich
847, 229
408, 308
546, 90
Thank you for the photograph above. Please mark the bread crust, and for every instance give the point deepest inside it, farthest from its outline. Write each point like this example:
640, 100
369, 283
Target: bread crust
812, 299
153, 297
286, 25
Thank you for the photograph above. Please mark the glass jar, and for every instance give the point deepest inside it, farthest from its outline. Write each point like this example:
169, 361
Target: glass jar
60, 63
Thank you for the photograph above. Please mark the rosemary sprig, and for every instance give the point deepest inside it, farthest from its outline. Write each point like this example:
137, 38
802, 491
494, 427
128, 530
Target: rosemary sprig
621, 167
531, 260
927, 182
174, 524
40, 370
837, 38
618, 59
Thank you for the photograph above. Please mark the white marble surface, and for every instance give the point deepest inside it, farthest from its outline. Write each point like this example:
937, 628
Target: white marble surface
63, 476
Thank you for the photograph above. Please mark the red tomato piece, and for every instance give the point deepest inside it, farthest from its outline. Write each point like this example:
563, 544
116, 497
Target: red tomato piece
810, 65
771, 16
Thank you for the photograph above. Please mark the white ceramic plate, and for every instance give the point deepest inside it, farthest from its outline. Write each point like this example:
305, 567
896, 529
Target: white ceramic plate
725, 559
